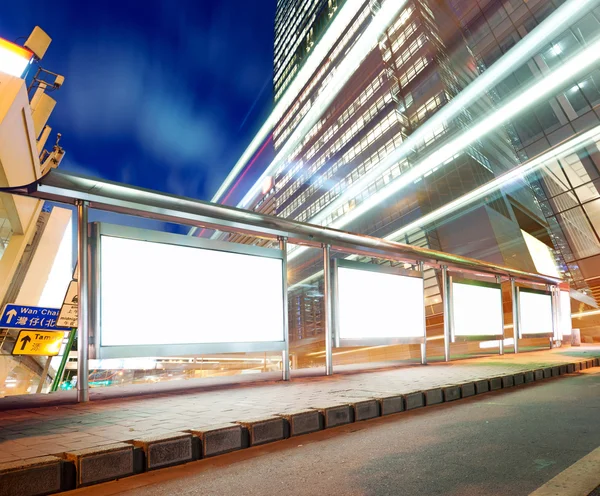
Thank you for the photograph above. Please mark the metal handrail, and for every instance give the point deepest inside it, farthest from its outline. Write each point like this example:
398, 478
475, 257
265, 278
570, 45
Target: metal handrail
121, 198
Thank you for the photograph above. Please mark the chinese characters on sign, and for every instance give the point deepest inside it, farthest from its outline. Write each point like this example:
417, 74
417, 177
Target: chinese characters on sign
38, 343
36, 318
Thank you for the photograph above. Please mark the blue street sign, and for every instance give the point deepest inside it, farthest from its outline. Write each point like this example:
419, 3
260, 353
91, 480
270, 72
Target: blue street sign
24, 317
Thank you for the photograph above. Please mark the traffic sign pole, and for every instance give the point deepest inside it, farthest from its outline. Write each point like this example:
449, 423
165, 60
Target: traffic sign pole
63, 362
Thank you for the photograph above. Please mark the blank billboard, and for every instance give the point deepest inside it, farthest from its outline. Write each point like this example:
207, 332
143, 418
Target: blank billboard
376, 305
164, 294
566, 323
476, 310
535, 313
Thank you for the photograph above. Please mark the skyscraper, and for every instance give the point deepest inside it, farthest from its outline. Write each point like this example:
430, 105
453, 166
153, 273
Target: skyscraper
423, 59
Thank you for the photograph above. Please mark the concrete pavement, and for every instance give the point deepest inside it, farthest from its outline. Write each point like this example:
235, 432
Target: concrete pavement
178, 427
510, 442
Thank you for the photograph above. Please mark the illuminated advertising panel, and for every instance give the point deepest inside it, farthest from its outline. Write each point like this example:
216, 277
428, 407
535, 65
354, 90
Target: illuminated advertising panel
14, 59
476, 310
158, 295
378, 306
535, 310
566, 323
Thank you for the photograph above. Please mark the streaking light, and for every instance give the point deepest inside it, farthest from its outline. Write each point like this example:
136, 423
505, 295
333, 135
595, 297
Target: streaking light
340, 77
14, 59
325, 44
515, 174
550, 84
513, 59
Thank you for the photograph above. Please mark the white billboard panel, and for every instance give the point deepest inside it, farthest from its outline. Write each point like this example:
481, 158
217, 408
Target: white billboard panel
377, 305
164, 294
535, 312
566, 323
476, 310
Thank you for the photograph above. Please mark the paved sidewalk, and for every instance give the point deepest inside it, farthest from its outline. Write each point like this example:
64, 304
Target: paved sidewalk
35, 432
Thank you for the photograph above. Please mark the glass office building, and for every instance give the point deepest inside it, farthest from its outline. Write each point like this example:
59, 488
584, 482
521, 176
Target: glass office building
427, 55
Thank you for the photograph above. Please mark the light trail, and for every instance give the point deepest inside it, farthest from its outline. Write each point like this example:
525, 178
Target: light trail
520, 172
514, 58
349, 65
548, 85
320, 51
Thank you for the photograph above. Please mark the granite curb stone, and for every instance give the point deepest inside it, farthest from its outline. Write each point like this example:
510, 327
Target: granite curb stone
220, 439
304, 422
166, 450
102, 463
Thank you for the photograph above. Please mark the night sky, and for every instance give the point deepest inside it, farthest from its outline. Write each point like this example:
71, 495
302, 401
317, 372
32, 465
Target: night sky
160, 94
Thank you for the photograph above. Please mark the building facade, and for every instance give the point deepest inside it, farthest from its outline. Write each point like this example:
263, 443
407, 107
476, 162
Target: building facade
424, 58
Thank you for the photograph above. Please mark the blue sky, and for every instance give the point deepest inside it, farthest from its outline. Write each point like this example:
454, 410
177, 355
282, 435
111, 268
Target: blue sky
159, 94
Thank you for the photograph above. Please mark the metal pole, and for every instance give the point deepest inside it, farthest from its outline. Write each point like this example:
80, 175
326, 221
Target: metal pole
44, 375
515, 313
328, 310
501, 345
446, 302
82, 286
553, 302
424, 343
285, 354
63, 362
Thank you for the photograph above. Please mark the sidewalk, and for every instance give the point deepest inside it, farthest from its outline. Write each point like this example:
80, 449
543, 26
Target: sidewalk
257, 410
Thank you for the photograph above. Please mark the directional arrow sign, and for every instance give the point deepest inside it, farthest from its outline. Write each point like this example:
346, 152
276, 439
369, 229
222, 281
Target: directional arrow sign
40, 343
24, 340
25, 317
10, 315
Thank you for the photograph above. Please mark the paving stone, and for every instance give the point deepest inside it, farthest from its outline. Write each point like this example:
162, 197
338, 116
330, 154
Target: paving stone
538, 374
590, 363
433, 397
391, 404
467, 389
570, 368
304, 422
220, 439
582, 365
596, 362
495, 383
337, 415
42, 475
482, 386
165, 450
547, 372
414, 400
365, 410
519, 379
555, 371
562, 369
266, 430
451, 393
102, 463
529, 376
508, 381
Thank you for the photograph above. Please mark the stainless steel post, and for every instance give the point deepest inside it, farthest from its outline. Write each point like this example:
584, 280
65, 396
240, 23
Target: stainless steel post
83, 286
446, 303
328, 310
515, 313
424, 344
553, 302
285, 354
501, 345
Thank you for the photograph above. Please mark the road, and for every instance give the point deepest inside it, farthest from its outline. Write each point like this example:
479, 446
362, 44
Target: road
504, 443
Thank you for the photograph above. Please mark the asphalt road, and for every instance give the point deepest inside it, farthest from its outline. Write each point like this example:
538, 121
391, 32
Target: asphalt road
503, 443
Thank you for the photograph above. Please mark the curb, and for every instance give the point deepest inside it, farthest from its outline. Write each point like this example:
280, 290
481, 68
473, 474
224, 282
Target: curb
79, 468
